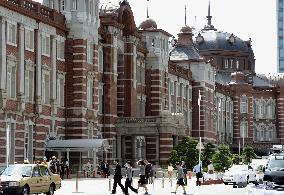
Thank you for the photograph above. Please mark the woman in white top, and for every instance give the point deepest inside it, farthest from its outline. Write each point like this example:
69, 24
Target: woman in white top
170, 171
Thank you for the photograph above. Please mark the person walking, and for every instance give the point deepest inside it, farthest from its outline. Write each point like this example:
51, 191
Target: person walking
198, 171
180, 178
170, 171
183, 166
148, 170
117, 177
128, 181
142, 180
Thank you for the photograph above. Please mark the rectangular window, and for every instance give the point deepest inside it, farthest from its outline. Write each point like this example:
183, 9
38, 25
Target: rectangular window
45, 45
46, 89
244, 129
29, 83
180, 90
29, 39
232, 63
74, 4
90, 93
60, 91
28, 141
11, 81
101, 60
11, 33
89, 52
190, 93
172, 87
11, 128
243, 104
101, 93
60, 49
226, 63
237, 64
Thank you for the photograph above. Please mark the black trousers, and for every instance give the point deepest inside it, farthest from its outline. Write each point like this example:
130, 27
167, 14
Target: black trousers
128, 183
117, 181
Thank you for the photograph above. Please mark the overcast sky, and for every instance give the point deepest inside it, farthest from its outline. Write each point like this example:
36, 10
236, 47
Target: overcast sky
254, 19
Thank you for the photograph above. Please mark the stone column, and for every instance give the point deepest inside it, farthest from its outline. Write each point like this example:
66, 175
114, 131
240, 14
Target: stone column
53, 68
38, 70
123, 148
3, 67
21, 68
118, 149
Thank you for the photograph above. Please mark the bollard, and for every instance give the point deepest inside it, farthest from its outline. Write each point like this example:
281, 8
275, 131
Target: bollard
153, 182
171, 180
77, 183
109, 184
163, 181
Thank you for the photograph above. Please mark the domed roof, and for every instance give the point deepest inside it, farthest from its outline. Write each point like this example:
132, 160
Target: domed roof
109, 7
186, 29
218, 40
148, 24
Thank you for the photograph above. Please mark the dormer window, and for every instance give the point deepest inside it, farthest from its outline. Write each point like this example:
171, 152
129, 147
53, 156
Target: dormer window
153, 43
237, 64
74, 4
199, 39
232, 38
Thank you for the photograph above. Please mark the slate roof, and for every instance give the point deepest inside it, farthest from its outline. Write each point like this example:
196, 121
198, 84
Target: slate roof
215, 40
223, 78
260, 82
185, 52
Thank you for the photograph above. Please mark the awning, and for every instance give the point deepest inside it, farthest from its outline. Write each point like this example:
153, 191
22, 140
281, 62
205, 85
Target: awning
77, 145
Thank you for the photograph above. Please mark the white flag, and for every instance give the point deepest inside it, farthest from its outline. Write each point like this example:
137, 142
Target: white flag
199, 98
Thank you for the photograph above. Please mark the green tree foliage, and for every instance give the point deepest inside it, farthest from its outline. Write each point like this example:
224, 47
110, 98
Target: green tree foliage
174, 158
222, 158
207, 155
186, 151
236, 159
248, 154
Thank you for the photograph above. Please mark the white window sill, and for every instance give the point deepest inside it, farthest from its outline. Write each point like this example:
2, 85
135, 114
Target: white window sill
46, 55
29, 49
61, 59
12, 44
12, 98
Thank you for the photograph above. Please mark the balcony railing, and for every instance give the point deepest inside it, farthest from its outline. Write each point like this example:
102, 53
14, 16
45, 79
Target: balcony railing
35, 9
137, 120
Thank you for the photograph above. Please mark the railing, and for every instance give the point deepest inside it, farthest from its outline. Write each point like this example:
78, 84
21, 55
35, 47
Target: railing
136, 120
36, 9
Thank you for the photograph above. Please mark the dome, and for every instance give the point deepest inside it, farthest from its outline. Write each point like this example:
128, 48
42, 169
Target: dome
186, 29
148, 24
218, 40
109, 7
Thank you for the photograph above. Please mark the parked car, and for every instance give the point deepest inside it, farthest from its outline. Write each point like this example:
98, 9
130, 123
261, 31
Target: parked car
274, 170
233, 174
23, 179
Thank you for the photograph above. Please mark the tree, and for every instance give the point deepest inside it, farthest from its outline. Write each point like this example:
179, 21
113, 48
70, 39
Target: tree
208, 152
186, 151
174, 158
222, 158
236, 159
248, 154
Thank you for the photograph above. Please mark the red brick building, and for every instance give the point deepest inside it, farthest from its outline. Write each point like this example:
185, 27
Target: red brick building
76, 70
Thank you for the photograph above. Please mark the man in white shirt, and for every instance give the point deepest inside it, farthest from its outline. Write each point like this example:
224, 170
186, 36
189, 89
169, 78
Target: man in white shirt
198, 170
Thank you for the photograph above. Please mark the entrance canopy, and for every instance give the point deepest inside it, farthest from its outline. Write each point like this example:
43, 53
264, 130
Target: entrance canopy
77, 145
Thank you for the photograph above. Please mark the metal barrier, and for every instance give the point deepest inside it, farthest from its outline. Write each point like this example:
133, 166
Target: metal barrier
109, 184
163, 180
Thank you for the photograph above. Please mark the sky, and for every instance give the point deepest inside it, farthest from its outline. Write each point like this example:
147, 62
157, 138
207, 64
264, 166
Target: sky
255, 19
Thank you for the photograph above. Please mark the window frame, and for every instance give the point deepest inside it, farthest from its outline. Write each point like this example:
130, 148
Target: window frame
45, 50
46, 101
13, 40
29, 43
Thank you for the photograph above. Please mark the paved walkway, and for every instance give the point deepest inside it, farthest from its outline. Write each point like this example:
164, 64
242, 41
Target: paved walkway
101, 187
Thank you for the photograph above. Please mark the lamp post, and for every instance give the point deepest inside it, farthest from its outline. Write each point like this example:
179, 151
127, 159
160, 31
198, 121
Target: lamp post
199, 145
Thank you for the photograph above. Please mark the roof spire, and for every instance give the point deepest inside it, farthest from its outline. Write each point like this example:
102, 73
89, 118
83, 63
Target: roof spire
209, 25
147, 8
185, 24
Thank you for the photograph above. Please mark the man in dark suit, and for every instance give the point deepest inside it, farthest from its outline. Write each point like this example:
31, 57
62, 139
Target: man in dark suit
117, 177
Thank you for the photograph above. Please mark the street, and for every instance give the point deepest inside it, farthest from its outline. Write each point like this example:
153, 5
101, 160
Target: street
101, 187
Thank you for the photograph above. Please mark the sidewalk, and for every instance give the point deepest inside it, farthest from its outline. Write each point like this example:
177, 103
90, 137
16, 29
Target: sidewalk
100, 186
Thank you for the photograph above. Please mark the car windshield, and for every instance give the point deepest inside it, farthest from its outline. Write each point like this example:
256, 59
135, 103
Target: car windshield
276, 164
17, 170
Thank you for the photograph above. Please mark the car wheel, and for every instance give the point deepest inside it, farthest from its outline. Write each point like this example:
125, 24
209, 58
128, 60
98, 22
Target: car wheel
226, 183
51, 190
26, 190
